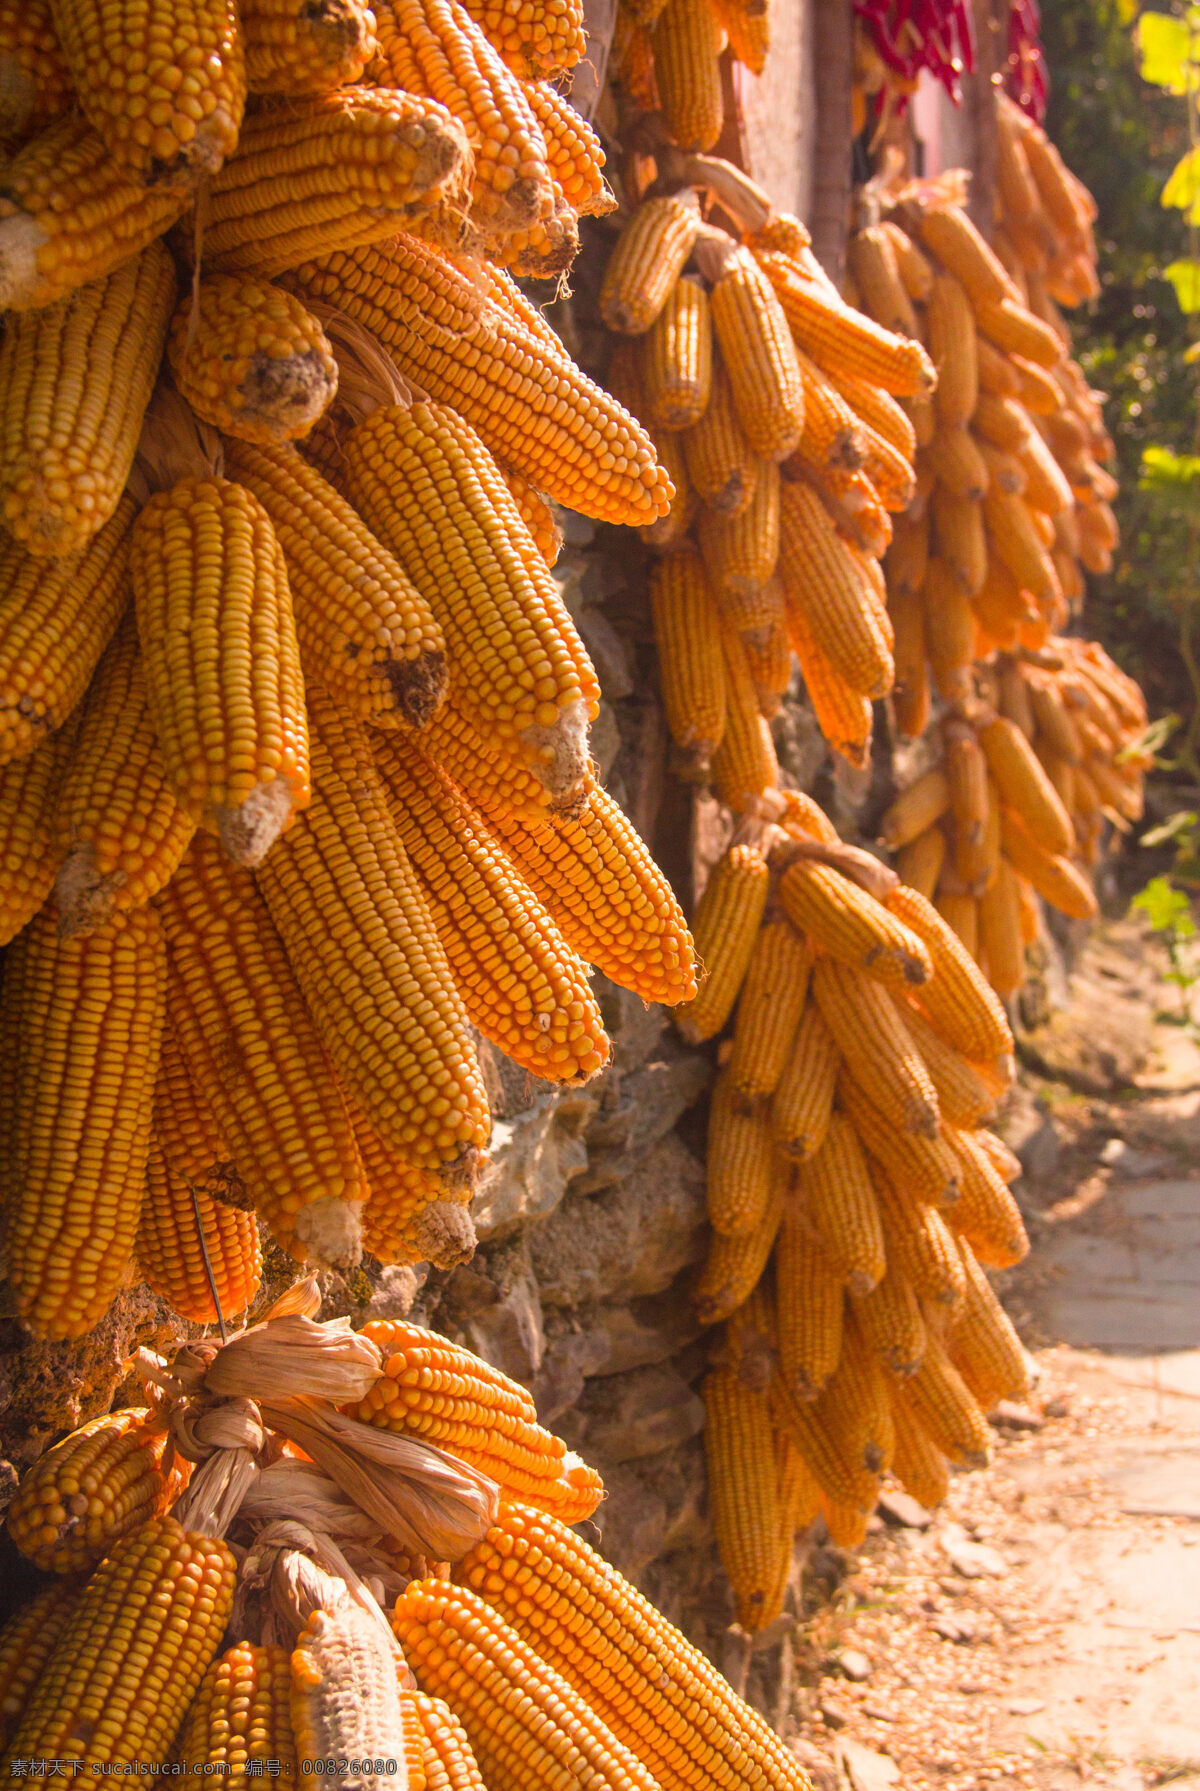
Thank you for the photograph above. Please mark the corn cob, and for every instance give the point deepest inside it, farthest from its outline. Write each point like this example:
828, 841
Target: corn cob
833, 435
770, 1006
188, 1135
251, 360
499, 784
372, 161
428, 487
410, 1215
253, 1053
874, 1046
184, 1236
1046, 485
178, 121
843, 715
824, 582
913, 267
844, 1483
210, 587
445, 332
951, 328
871, 256
56, 617
56, 188
436, 48
544, 39
986, 1214
690, 660
241, 1713
943, 1408
295, 46
964, 1098
149, 1622
449, 1764
1053, 875
34, 84
1024, 785
1013, 329
842, 919
840, 339
747, 25
983, 1345
916, 808
645, 266
1000, 940
809, 1307
720, 463
957, 1000
660, 1696
519, 981
740, 1175
437, 1390
612, 903
926, 1168
960, 911
726, 926
67, 442
27, 1641
686, 42
535, 513
878, 412
30, 848
839, 1202
854, 1407
344, 1696
120, 830
918, 1465
744, 765
405, 1056
735, 1264
910, 694
677, 358
92, 1488
920, 862
88, 1016
758, 352
959, 534
742, 1491
364, 630
967, 776
922, 1246
803, 1101
740, 551
890, 1323
957, 244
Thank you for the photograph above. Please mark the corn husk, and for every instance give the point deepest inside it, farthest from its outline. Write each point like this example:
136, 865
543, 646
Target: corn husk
431, 1503
303, 1296
295, 1356
304, 1570
224, 1439
878, 879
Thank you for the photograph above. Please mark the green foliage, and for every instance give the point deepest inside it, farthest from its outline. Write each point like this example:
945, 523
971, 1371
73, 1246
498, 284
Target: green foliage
1169, 912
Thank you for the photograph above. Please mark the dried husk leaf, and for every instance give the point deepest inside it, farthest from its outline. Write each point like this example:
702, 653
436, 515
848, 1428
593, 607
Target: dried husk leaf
431, 1503
294, 1356
878, 879
303, 1297
306, 1572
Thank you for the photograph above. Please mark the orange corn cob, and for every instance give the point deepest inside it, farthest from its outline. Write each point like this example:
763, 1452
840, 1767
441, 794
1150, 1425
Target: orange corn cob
720, 462
677, 358
871, 255
844, 715
735, 1264
922, 1246
187, 1133
879, 1054
34, 81
241, 1713
759, 354
1000, 933
890, 1323
841, 339
743, 1492
27, 1641
645, 265
184, 1237
726, 926
92, 1488
943, 1408
842, 919
690, 659
772, 1000
983, 1345
926, 1168
251, 360
543, 39
1053, 875
957, 1000
824, 582
30, 847
986, 1215
739, 1165
839, 1202
687, 72
744, 765
294, 46
803, 1101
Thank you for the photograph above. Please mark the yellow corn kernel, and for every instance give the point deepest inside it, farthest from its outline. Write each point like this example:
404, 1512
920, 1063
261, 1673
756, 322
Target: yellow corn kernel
87, 1017
691, 664
370, 160
184, 1237
742, 1491
612, 903
728, 917
521, 984
918, 1464
410, 1215
119, 826
740, 552
759, 356
983, 1345
926, 1168
889, 1320
447, 334
744, 765
495, 779
839, 1202
75, 379
439, 1391
840, 339
802, 1104
677, 358
1052, 875
943, 1408
447, 1760
843, 714
645, 266
92, 1488
241, 1713
254, 1056
211, 591
985, 1214
30, 847
149, 1622
735, 1263
436, 48
772, 1001
34, 84
165, 90
687, 70
426, 484
298, 46
366, 955
251, 360
187, 1133
536, 513
27, 1640
720, 462
739, 1164
843, 919
573, 152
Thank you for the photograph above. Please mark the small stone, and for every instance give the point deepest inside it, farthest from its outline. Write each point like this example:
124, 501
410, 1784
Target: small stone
820, 1768
970, 1688
1058, 1407
955, 1626
1113, 1151
1025, 1706
865, 1769
878, 1714
834, 1713
855, 1665
1010, 1416
973, 1560
898, 1507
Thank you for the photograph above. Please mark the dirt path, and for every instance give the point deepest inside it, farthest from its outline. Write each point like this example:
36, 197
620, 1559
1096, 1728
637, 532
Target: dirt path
1043, 1630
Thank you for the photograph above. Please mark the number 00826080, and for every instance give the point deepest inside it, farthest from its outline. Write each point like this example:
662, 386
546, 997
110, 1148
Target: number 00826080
338, 1768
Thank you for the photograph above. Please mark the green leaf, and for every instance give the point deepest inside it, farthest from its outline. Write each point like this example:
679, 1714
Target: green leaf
1183, 184
1170, 829
1164, 45
1166, 908
1185, 278
1162, 467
